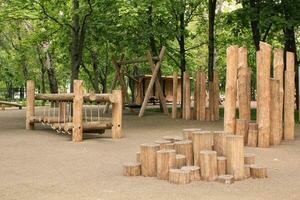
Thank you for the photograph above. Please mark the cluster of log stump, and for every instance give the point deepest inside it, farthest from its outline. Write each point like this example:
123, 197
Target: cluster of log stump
198, 108
198, 155
275, 95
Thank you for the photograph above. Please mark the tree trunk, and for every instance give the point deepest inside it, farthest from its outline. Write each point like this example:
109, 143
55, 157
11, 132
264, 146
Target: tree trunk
254, 4
181, 42
51, 73
212, 13
290, 45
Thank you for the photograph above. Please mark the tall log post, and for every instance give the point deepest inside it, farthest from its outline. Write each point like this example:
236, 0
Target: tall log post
216, 96
77, 133
30, 88
196, 95
185, 148
166, 160
235, 156
289, 106
208, 165
289, 97
242, 128
274, 114
220, 142
175, 86
117, 107
263, 58
202, 98
148, 159
243, 84
187, 96
203, 140
278, 75
252, 138
231, 89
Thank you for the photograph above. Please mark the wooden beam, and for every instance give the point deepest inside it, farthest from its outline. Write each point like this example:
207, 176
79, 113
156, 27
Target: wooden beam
151, 83
11, 104
30, 104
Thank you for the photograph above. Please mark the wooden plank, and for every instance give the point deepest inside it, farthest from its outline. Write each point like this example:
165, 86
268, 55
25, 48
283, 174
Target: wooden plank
151, 84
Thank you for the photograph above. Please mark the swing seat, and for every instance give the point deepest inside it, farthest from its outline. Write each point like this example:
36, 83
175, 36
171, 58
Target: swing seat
132, 106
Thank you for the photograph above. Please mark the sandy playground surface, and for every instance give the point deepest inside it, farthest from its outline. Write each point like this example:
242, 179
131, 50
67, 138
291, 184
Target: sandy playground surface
42, 164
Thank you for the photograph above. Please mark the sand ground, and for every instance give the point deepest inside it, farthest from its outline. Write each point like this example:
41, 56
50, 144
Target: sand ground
42, 164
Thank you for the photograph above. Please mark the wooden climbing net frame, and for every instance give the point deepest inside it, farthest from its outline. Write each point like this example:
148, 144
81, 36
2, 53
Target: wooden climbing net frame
74, 113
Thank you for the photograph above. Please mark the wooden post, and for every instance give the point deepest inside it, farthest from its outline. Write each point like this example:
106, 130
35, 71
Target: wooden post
247, 171
289, 97
194, 172
235, 156
148, 159
252, 125
207, 115
188, 133
203, 140
231, 89
187, 96
30, 88
132, 169
263, 59
278, 75
243, 84
221, 163
220, 142
274, 113
157, 82
185, 147
208, 165
175, 86
242, 128
116, 129
77, 133
202, 97
138, 156
216, 96
165, 161
196, 95
170, 146
151, 83
180, 161
249, 158
252, 138
178, 176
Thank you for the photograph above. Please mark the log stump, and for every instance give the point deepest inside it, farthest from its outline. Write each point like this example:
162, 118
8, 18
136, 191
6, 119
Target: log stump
235, 156
221, 165
203, 140
180, 161
132, 169
178, 176
252, 126
249, 158
170, 146
258, 171
208, 165
162, 143
194, 172
185, 147
226, 179
148, 159
219, 142
166, 160
189, 132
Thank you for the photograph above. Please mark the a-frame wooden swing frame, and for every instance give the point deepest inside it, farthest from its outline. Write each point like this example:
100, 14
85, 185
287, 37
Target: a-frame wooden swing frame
155, 63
